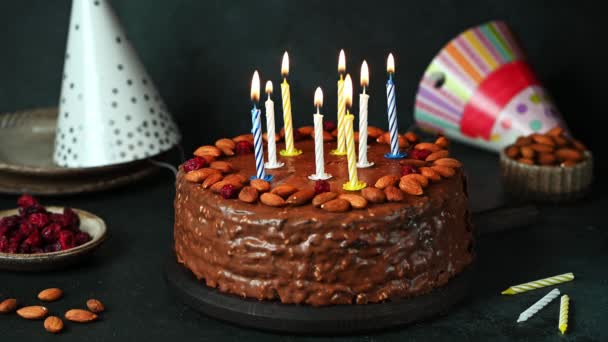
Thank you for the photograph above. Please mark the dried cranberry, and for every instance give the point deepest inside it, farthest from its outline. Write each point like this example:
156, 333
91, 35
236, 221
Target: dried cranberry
195, 164
13, 247
66, 239
3, 231
420, 154
33, 239
26, 201
10, 222
81, 238
38, 220
329, 126
243, 147
408, 169
51, 232
3, 244
71, 219
25, 248
53, 247
229, 191
321, 186
25, 228
27, 211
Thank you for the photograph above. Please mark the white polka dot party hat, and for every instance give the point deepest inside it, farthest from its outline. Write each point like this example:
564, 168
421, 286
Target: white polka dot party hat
110, 111
480, 90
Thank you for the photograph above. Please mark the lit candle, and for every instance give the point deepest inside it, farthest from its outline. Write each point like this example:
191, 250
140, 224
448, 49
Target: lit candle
257, 128
270, 132
363, 99
392, 110
319, 159
341, 149
289, 150
353, 183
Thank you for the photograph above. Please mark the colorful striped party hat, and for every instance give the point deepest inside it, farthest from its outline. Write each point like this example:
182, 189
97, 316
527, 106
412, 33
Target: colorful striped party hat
480, 90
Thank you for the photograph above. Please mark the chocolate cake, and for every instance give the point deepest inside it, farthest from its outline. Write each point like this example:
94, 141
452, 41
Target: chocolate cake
293, 241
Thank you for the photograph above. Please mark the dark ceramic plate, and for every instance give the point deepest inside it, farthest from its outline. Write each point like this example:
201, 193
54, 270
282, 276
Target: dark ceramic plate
89, 223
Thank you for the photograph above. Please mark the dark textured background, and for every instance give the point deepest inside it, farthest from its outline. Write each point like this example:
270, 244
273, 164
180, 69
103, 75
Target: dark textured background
201, 55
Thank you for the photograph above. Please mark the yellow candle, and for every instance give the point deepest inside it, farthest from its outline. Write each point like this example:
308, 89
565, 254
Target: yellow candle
563, 313
341, 149
537, 284
289, 150
353, 183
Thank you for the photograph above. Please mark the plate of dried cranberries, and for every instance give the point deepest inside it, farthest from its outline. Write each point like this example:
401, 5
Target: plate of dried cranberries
36, 238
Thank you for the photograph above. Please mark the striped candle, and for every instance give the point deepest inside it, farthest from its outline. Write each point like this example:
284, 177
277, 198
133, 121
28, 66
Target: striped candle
270, 131
353, 183
319, 157
341, 148
537, 284
289, 150
257, 127
536, 307
363, 100
392, 110
564, 307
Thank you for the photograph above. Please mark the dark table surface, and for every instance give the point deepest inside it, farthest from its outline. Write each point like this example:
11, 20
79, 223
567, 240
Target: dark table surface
127, 274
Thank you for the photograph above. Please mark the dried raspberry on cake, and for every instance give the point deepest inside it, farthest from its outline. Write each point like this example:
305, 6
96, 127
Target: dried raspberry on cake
243, 147
420, 154
408, 169
195, 164
329, 126
229, 191
321, 186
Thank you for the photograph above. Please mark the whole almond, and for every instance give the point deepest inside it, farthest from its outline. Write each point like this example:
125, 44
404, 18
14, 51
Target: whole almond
260, 185
217, 187
33, 312
356, 136
427, 146
542, 148
411, 137
523, 141
226, 151
373, 195
430, 174
444, 171
579, 145
543, 139
568, 163
568, 154
334, 133
413, 162
356, 201
248, 194
8, 305
209, 159
385, 138
420, 179
80, 316
336, 205
442, 142
323, 197
222, 166
526, 161
546, 159
53, 324
208, 150
212, 179
410, 186
243, 137
284, 190
306, 130
512, 151
237, 178
393, 194
403, 143
386, 181
95, 305
225, 143
560, 140
197, 176
450, 162
327, 136
527, 152
437, 155
374, 132
301, 197
272, 200
555, 131
50, 295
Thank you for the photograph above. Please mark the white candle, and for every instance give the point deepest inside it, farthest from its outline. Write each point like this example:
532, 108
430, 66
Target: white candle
363, 100
270, 131
531, 311
319, 151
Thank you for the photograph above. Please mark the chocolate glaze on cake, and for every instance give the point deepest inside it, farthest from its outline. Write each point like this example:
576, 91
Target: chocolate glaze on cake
307, 255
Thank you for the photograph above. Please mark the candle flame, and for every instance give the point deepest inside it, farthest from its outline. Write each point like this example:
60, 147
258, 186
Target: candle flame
364, 75
390, 64
348, 91
269, 87
341, 62
318, 97
255, 87
285, 65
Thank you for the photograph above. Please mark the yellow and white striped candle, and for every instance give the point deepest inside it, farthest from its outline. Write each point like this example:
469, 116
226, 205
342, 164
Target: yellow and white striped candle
564, 307
537, 284
341, 148
289, 150
353, 183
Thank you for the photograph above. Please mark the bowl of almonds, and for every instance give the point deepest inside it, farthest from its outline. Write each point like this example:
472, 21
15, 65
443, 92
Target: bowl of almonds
547, 167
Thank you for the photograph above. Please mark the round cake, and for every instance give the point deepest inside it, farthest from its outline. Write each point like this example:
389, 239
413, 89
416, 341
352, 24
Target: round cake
311, 242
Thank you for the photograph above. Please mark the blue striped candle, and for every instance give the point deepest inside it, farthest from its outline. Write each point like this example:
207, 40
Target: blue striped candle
257, 129
392, 111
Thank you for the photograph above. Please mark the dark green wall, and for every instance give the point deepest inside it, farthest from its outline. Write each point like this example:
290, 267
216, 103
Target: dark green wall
201, 54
